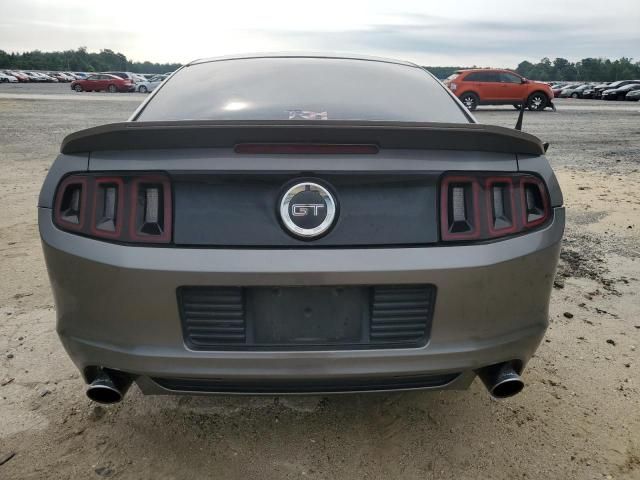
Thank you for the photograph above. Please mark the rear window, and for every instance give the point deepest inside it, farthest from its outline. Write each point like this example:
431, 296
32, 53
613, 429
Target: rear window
302, 88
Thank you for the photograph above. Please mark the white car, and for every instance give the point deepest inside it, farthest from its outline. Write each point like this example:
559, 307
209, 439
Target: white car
150, 85
43, 77
137, 78
4, 78
72, 76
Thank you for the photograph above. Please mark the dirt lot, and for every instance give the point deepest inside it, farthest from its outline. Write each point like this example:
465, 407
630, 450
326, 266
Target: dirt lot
578, 417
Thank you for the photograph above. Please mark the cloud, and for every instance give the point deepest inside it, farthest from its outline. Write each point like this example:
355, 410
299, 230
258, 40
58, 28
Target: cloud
466, 32
465, 41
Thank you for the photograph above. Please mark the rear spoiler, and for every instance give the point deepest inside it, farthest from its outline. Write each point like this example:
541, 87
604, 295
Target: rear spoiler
227, 134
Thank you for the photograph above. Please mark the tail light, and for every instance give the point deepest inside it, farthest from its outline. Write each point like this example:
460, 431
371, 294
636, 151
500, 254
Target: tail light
483, 207
70, 203
127, 208
535, 202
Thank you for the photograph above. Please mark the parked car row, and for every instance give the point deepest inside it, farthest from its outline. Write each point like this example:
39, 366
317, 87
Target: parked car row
619, 90
24, 76
119, 81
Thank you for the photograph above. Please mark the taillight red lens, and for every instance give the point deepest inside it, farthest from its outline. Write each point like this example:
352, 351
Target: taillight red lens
501, 207
459, 196
535, 202
151, 215
70, 204
483, 207
108, 207
125, 208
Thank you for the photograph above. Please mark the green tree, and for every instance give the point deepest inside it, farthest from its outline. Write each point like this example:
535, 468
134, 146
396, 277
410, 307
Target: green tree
524, 68
80, 60
563, 69
5, 59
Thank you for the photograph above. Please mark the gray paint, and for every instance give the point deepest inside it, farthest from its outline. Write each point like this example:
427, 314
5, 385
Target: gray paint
63, 165
492, 302
116, 304
224, 159
281, 266
540, 166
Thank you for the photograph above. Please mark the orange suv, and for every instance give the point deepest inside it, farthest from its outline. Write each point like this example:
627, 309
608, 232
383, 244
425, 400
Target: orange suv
498, 87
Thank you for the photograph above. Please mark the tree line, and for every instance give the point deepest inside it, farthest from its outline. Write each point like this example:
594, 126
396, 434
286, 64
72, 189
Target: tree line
80, 60
587, 69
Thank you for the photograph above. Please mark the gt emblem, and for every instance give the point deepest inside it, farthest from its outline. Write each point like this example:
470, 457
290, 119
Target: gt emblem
302, 209
307, 210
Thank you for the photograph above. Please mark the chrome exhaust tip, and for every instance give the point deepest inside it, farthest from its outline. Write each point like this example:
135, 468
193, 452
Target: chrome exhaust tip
501, 380
108, 387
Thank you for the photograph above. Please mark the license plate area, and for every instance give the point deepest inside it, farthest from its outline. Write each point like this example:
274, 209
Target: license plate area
310, 317
307, 315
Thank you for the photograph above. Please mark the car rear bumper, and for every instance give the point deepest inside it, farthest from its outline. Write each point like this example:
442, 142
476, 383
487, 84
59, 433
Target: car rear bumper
117, 308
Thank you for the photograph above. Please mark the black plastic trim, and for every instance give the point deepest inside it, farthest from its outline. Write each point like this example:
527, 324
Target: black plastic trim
221, 134
231, 325
325, 385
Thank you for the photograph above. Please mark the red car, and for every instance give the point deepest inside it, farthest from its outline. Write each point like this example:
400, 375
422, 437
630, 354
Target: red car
487, 86
102, 81
22, 78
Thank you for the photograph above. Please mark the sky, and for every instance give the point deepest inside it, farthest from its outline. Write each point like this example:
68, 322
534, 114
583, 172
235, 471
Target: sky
439, 33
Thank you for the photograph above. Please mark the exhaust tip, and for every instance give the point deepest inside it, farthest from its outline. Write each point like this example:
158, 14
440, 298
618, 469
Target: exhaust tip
507, 388
108, 386
502, 380
104, 394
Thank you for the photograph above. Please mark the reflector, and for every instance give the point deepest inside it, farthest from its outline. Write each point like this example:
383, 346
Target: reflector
110, 202
498, 201
151, 205
74, 208
459, 214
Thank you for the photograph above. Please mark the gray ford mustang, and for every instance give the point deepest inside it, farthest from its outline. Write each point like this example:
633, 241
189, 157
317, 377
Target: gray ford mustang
300, 224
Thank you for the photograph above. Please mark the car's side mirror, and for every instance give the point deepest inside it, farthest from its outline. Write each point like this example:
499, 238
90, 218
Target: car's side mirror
524, 80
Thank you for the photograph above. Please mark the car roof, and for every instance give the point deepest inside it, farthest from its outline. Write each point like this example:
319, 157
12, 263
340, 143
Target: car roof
467, 70
302, 55
106, 73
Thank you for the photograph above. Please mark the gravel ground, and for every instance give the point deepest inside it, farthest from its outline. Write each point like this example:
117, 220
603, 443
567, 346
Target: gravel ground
578, 417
